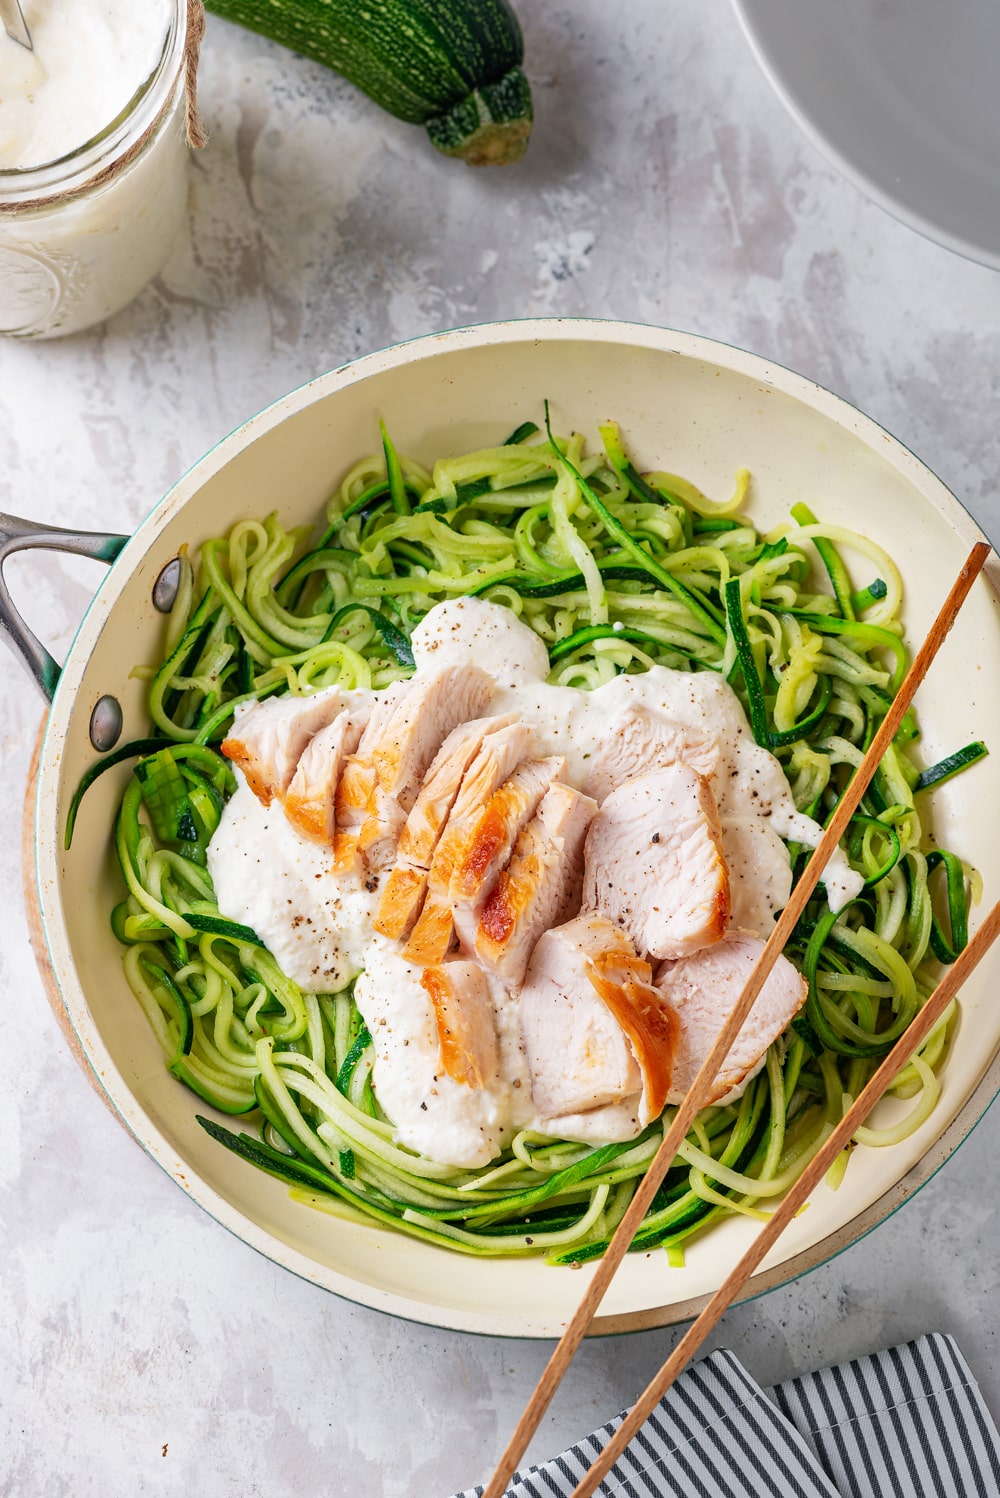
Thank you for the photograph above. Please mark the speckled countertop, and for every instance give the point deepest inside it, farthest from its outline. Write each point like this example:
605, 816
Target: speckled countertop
142, 1349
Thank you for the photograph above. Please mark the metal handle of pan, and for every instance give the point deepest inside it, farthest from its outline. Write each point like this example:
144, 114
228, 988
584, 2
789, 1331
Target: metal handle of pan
27, 535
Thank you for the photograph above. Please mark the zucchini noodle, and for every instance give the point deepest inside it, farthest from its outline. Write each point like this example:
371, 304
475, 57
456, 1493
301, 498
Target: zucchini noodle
614, 571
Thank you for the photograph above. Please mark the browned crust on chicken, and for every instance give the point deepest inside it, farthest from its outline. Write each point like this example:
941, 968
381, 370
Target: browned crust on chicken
487, 838
309, 800
400, 903
462, 1058
246, 760
434, 932
308, 816
650, 1023
505, 902
406, 887
433, 935
723, 899
541, 880
495, 834
345, 852
355, 796
441, 788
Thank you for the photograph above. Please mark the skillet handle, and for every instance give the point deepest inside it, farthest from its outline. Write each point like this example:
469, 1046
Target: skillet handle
26, 535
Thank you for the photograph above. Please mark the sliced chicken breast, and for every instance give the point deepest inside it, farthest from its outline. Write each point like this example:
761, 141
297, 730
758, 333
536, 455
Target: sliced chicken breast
492, 840
433, 1114
401, 902
499, 754
355, 791
595, 1030
406, 886
639, 740
654, 863
267, 740
309, 801
391, 762
541, 885
704, 988
623, 981
424, 718
459, 993
441, 786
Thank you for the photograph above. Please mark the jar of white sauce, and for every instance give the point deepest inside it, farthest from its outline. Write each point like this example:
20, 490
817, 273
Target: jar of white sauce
93, 158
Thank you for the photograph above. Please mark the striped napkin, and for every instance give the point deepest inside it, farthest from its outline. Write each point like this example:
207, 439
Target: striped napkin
906, 1423
909, 1422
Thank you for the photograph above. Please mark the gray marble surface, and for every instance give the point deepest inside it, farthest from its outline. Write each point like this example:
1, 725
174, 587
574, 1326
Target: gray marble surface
142, 1349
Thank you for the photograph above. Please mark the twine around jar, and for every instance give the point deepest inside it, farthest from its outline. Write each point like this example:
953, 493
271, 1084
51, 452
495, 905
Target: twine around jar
196, 137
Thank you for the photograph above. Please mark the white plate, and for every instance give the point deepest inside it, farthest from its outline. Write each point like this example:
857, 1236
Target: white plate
686, 404
903, 96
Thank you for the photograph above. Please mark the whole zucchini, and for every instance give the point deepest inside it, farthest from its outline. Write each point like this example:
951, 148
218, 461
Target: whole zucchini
451, 65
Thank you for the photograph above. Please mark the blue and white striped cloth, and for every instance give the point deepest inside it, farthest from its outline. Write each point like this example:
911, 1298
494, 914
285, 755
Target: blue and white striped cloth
910, 1422
906, 1423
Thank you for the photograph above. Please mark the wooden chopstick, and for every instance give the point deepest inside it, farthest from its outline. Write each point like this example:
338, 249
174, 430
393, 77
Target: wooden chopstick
795, 1198
698, 1093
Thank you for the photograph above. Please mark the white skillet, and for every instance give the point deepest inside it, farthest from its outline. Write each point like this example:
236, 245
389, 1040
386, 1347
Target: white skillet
684, 403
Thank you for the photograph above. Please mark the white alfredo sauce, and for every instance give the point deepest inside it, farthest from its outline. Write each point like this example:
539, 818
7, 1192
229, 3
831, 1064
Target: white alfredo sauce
434, 1114
318, 925
269, 877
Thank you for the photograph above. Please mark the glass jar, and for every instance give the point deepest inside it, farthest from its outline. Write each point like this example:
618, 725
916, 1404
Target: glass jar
82, 235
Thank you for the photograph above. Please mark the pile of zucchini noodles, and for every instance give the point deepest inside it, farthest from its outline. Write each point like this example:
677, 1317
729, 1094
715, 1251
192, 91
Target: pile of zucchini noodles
614, 571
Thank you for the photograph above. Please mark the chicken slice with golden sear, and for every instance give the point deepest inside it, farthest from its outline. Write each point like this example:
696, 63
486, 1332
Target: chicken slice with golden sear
705, 987
267, 739
654, 863
492, 839
381, 782
460, 996
541, 885
309, 801
595, 1030
355, 791
406, 886
499, 754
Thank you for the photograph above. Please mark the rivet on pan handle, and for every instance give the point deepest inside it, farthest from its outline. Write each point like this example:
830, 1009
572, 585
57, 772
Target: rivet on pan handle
26, 535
